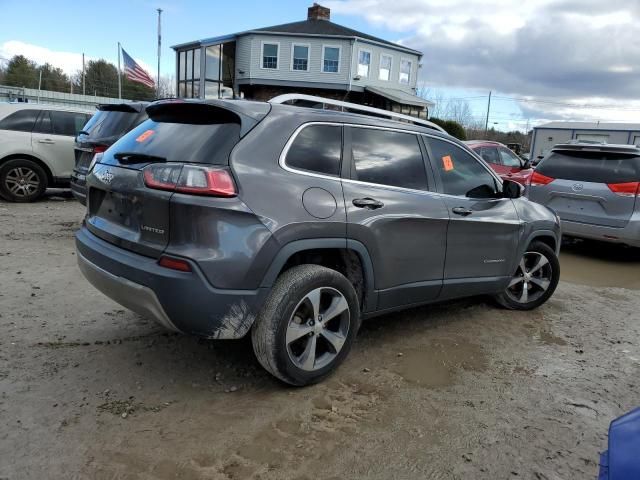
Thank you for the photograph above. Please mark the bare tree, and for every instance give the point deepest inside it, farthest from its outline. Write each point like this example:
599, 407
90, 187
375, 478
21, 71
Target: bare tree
459, 111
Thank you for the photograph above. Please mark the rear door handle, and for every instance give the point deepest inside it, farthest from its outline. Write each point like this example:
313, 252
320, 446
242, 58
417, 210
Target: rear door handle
461, 211
368, 203
48, 141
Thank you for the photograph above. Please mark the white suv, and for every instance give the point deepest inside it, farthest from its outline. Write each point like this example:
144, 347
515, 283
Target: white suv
36, 148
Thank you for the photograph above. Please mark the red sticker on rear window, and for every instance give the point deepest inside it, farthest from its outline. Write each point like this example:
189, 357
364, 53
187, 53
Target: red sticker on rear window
144, 136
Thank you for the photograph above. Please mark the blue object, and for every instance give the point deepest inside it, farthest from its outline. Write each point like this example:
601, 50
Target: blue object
622, 460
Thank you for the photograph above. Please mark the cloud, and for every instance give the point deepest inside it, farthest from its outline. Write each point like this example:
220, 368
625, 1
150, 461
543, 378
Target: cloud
570, 50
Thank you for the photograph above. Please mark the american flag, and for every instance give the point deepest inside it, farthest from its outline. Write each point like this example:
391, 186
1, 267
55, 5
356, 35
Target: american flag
135, 72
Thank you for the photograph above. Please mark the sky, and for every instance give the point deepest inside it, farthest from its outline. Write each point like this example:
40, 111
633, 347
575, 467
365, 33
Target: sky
541, 59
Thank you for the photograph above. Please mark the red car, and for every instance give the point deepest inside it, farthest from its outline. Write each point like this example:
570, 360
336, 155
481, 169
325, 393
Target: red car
502, 160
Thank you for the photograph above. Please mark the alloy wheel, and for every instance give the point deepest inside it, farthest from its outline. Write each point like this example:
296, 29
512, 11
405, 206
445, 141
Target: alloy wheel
22, 181
532, 278
318, 329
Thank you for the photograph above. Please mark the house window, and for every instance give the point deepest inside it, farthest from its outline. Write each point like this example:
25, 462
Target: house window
364, 62
300, 60
405, 71
331, 59
270, 55
385, 67
189, 73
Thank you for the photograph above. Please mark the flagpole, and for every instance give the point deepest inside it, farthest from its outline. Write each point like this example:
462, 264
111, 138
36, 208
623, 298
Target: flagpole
119, 74
159, 48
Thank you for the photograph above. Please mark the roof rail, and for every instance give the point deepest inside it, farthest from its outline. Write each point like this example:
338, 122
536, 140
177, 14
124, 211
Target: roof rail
287, 97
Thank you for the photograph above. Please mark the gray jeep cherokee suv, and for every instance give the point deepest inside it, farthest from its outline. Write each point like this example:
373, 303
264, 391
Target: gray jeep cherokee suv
219, 218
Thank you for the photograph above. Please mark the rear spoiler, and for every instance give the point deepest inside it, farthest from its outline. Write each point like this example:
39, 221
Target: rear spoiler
123, 107
208, 113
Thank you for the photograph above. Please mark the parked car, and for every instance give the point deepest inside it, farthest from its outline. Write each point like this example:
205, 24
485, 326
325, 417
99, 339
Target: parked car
502, 160
593, 188
108, 124
36, 148
222, 218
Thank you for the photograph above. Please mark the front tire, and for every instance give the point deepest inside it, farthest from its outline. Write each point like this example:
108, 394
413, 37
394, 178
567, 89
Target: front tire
22, 180
534, 281
307, 326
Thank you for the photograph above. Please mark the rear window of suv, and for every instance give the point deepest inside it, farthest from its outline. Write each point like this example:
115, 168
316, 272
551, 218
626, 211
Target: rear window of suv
106, 124
182, 142
597, 167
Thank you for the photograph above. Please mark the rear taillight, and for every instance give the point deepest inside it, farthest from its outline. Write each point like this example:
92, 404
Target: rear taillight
174, 264
628, 189
191, 179
538, 179
98, 150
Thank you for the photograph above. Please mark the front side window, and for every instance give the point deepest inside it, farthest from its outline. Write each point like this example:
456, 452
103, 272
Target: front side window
508, 158
331, 59
270, 55
364, 62
405, 71
385, 67
318, 149
388, 158
20, 121
300, 57
461, 174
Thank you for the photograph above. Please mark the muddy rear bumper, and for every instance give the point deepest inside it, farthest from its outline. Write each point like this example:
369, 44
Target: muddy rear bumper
629, 235
182, 301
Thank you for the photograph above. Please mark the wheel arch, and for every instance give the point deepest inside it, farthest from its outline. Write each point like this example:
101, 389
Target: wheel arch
547, 237
26, 156
354, 262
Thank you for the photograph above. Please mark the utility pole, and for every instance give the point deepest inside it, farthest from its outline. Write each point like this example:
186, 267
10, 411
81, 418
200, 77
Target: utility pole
39, 84
486, 125
83, 85
119, 74
159, 49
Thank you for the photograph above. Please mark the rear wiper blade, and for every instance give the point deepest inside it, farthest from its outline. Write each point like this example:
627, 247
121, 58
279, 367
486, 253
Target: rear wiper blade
83, 132
133, 157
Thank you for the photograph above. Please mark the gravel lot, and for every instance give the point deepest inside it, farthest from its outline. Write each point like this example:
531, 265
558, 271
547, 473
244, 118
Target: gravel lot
456, 391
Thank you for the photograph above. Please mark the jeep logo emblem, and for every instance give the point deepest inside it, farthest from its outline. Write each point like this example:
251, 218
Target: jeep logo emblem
577, 187
105, 176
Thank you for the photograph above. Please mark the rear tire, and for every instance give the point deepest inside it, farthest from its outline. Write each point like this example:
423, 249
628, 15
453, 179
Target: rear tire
307, 325
22, 180
534, 281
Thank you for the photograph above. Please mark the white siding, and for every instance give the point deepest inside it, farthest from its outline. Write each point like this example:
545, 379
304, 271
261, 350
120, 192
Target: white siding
545, 139
243, 57
284, 72
374, 69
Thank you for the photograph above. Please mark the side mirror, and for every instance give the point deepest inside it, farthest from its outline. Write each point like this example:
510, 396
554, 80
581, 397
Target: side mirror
511, 189
526, 164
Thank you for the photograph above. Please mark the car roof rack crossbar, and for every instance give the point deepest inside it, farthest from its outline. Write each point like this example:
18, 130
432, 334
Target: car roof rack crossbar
288, 97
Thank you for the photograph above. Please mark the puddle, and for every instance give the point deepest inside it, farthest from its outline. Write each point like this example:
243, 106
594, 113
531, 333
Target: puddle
549, 339
600, 265
436, 365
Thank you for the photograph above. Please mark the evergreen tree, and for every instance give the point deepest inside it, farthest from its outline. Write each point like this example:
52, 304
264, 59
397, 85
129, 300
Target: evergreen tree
21, 72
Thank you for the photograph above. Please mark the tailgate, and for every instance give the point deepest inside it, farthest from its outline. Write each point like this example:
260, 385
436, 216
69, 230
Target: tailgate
122, 211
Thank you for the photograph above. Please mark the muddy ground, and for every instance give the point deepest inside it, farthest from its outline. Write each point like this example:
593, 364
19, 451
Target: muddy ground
456, 391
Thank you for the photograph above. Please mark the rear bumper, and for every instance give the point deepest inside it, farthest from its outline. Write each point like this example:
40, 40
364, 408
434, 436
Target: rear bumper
179, 301
79, 187
628, 235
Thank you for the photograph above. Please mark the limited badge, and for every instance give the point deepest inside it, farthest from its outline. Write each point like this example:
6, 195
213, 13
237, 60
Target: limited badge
145, 136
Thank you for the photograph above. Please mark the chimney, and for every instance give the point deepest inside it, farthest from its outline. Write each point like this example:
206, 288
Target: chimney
318, 12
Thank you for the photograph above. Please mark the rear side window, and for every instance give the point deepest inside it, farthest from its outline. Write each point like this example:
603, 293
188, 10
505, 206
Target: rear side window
317, 148
104, 124
388, 158
67, 123
182, 142
461, 174
598, 167
20, 121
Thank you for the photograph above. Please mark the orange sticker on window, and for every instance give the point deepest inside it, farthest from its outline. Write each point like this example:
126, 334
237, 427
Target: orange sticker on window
144, 136
447, 162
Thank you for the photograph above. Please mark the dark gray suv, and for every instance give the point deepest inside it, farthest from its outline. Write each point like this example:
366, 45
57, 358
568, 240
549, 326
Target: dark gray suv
221, 218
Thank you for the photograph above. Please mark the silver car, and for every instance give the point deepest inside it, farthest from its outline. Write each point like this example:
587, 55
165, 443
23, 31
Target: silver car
594, 188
